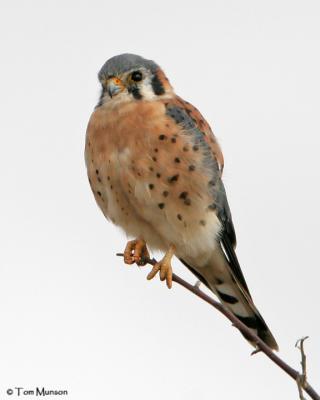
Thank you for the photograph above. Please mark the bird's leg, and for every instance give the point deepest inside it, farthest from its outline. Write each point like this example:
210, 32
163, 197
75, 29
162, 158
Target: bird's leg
136, 252
164, 266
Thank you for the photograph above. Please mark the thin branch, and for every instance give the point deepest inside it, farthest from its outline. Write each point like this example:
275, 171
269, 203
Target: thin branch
302, 378
260, 345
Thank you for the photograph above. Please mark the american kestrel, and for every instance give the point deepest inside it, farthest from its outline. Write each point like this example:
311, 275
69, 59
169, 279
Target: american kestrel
155, 170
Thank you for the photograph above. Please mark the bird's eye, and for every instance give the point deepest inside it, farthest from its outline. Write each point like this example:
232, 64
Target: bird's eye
136, 76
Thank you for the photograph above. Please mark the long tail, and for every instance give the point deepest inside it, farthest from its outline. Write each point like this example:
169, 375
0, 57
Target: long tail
218, 275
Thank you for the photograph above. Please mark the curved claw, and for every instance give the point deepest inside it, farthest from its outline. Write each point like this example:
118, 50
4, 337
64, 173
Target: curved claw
164, 268
165, 272
154, 271
136, 252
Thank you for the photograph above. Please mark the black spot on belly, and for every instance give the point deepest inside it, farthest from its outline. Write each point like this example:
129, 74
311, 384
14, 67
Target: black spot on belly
177, 160
179, 216
192, 167
183, 195
162, 137
161, 205
165, 193
151, 186
173, 178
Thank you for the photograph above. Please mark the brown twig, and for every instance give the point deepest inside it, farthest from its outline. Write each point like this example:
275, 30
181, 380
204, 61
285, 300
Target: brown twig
301, 379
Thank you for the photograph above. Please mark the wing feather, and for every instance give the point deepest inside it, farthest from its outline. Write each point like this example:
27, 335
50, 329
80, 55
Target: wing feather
193, 122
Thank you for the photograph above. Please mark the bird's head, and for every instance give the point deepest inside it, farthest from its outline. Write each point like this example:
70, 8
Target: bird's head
130, 77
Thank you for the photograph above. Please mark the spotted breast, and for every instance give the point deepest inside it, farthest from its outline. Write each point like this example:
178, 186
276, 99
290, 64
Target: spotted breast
151, 176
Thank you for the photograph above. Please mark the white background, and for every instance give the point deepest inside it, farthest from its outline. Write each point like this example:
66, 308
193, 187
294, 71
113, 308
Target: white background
72, 315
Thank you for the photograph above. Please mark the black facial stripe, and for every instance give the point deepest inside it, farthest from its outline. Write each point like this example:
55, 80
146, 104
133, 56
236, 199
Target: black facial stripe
135, 92
157, 85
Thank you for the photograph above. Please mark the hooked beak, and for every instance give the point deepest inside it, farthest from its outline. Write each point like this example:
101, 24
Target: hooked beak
114, 86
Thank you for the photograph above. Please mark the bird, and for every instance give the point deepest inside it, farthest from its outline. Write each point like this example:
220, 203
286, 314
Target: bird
155, 169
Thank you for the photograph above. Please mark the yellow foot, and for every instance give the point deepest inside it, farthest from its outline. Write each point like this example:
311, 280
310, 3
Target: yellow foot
164, 266
136, 252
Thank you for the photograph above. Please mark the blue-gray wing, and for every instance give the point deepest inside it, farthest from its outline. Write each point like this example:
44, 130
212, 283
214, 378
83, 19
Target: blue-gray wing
191, 120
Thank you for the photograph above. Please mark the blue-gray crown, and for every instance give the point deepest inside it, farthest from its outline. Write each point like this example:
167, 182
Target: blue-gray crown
123, 63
